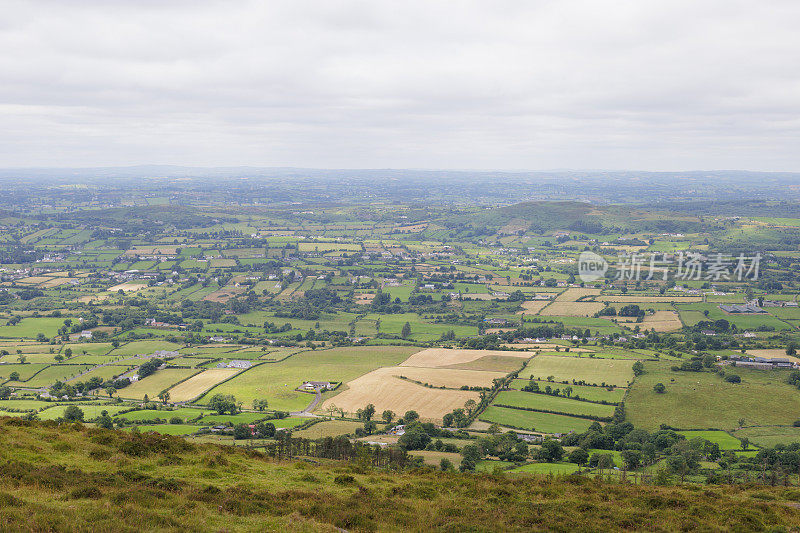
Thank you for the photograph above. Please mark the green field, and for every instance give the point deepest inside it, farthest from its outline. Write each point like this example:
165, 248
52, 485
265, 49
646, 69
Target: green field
328, 428
595, 394
617, 372
725, 440
555, 404
105, 372
24, 405
167, 429
769, 436
545, 468
276, 381
89, 411
25, 370
31, 327
533, 421
702, 400
54, 373
143, 347
91, 348
692, 313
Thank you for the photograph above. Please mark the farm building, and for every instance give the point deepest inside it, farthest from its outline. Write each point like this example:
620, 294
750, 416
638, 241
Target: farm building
742, 308
235, 363
317, 385
761, 363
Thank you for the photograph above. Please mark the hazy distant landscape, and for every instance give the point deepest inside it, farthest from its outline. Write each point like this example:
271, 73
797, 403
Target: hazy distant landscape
370, 266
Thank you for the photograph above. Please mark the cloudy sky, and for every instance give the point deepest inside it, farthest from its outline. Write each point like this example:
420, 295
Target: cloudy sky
655, 85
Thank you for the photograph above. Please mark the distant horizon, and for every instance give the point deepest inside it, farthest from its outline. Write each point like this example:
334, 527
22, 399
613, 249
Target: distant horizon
391, 169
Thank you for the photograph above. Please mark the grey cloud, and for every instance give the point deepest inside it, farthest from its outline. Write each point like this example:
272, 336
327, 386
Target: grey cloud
583, 84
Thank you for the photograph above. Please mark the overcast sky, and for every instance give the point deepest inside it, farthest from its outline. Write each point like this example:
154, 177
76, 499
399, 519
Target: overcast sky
652, 85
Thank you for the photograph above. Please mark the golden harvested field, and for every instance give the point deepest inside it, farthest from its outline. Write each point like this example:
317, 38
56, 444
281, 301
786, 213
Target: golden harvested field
33, 280
492, 363
662, 321
622, 298
573, 293
55, 282
772, 353
445, 377
128, 287
365, 298
561, 308
385, 391
532, 307
441, 357
196, 385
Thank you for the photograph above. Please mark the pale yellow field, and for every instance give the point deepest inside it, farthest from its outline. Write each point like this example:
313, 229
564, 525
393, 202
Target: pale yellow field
662, 321
440, 357
385, 391
445, 377
33, 280
196, 385
772, 353
50, 283
128, 287
648, 299
561, 308
532, 307
573, 293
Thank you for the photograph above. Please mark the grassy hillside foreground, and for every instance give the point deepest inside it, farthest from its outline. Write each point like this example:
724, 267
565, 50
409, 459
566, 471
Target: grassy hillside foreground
80, 478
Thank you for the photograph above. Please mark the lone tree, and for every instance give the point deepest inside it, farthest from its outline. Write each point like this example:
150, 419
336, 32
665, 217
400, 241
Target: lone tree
659, 388
73, 413
164, 397
638, 368
791, 349
387, 416
406, 331
223, 403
